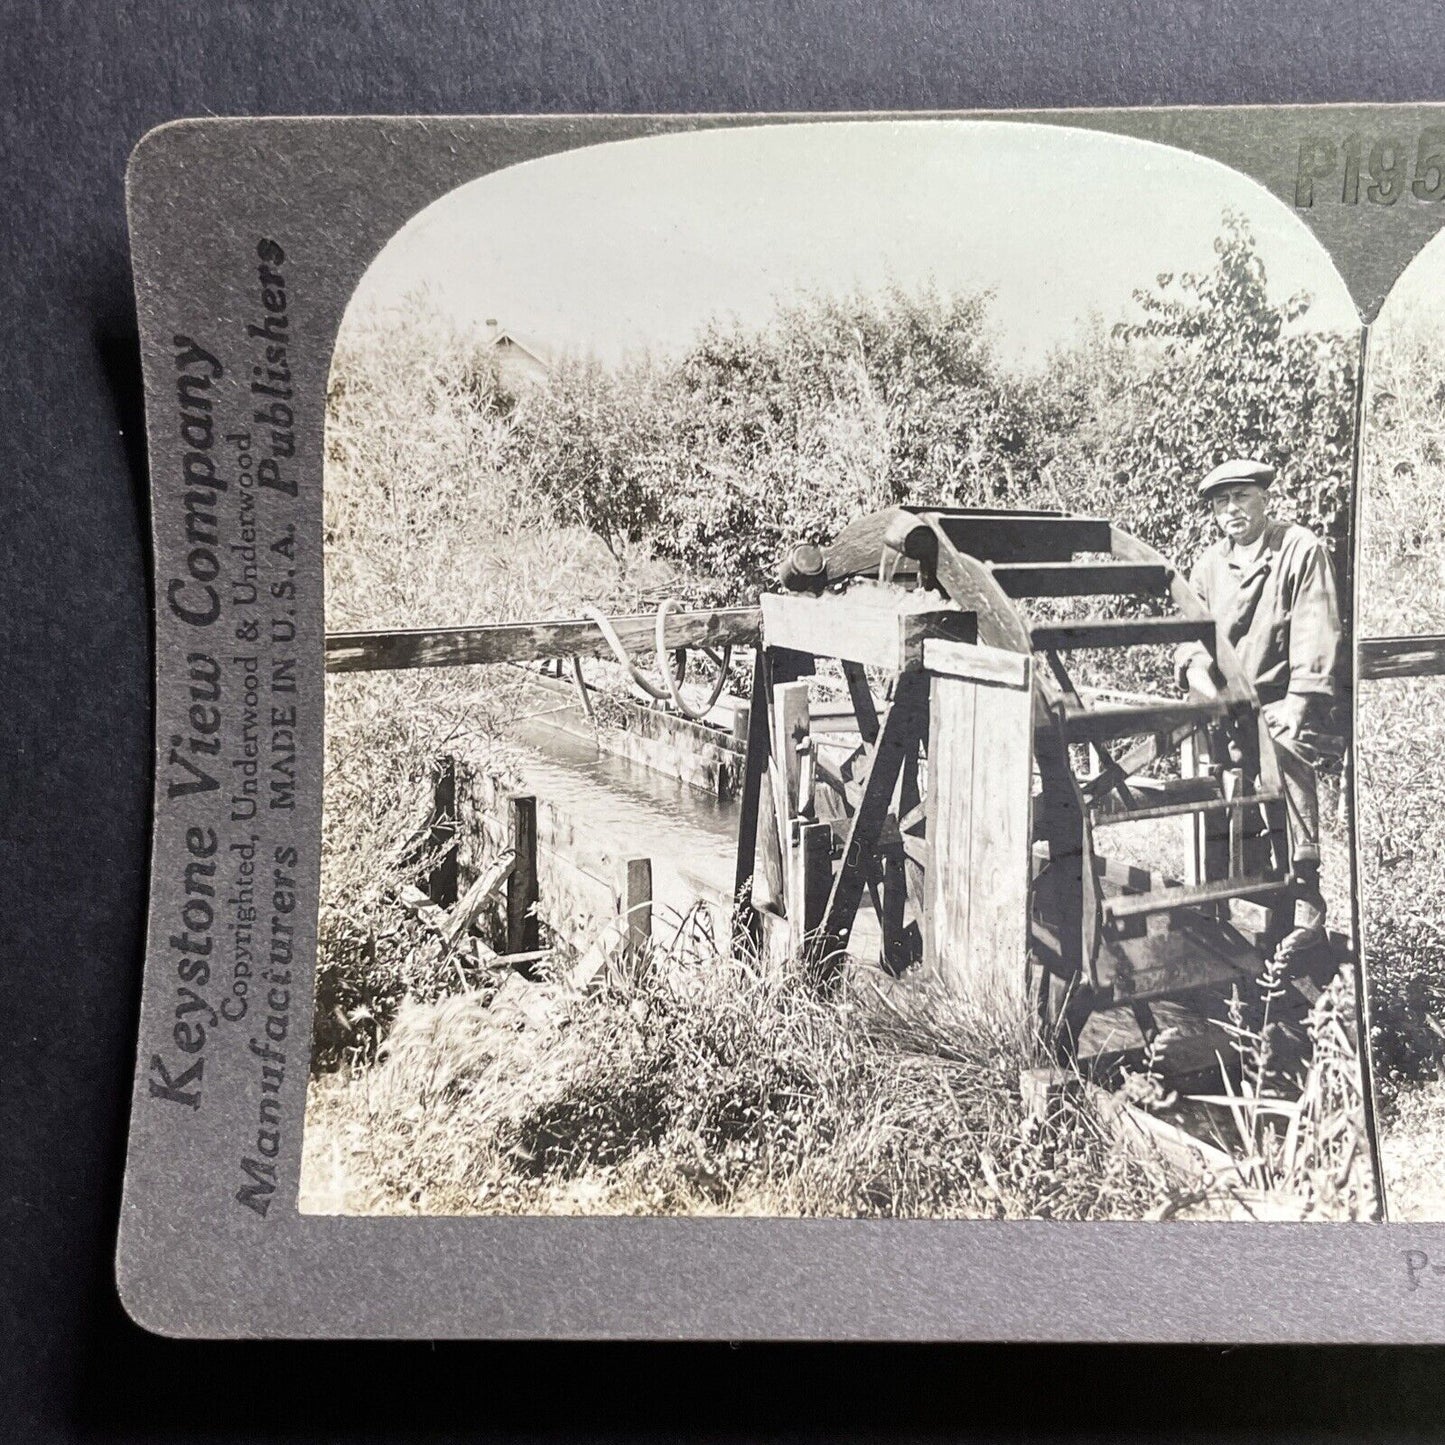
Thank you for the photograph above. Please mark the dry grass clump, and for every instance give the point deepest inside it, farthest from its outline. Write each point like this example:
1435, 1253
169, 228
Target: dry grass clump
715, 1086
384, 735
1292, 1110
432, 517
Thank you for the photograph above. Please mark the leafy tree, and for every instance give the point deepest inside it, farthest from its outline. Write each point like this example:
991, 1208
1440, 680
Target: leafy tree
594, 446
1213, 369
840, 406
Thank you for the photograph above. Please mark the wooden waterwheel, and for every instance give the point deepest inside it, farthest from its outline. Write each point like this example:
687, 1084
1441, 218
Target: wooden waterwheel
966, 812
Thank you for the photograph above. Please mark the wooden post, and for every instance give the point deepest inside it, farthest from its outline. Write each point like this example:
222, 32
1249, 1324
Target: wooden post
522, 932
752, 808
1193, 753
742, 718
442, 884
636, 907
810, 883
895, 892
790, 732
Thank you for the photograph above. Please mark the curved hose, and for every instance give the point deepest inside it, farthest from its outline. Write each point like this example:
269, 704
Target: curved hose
673, 683
670, 691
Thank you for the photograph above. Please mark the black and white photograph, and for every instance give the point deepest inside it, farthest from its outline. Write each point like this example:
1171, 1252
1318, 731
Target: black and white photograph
840, 694
1401, 734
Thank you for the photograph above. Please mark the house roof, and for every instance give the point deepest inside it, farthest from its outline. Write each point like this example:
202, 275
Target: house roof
503, 335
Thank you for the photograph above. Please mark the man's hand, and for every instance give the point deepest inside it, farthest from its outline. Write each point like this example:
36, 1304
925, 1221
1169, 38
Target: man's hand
1196, 675
1287, 717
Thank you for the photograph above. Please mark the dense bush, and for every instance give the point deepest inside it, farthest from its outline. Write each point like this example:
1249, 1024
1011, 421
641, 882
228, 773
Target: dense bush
1402, 804
1213, 369
715, 460
755, 438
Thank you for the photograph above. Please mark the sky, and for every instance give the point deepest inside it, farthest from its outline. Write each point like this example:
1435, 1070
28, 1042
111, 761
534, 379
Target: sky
637, 244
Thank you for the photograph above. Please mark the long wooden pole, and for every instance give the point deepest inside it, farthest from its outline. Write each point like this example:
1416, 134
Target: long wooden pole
1386, 657
528, 641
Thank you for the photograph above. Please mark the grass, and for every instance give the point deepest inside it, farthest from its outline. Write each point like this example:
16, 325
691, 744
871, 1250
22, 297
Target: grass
716, 1086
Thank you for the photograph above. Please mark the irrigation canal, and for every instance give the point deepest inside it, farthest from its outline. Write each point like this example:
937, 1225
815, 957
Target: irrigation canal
628, 809
625, 808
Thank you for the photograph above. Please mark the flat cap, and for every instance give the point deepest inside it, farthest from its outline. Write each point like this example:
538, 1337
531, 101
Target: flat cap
1238, 469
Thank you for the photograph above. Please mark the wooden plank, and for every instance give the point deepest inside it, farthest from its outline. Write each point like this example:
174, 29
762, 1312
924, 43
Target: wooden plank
812, 859
1102, 723
1080, 579
979, 826
877, 627
790, 733
755, 767
1166, 900
1193, 955
1386, 657
791, 737
433, 915
527, 641
1140, 1129
484, 888
1119, 632
948, 886
1019, 537
907, 719
772, 667
522, 890
976, 663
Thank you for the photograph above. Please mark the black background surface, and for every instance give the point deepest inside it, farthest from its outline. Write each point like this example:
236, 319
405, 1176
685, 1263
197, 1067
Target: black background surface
82, 84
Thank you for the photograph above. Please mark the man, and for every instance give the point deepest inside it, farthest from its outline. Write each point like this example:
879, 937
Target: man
1270, 587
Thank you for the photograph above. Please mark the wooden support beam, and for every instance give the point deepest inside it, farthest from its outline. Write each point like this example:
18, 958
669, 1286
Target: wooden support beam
1080, 579
751, 809
1106, 721
442, 883
527, 641
522, 891
875, 626
906, 725
976, 663
1167, 900
865, 711
486, 887
1386, 657
790, 736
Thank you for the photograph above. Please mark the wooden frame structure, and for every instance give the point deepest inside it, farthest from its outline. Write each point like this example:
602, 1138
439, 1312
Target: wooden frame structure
992, 873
